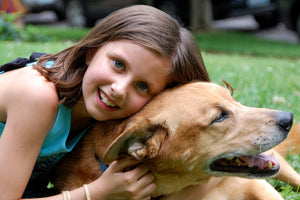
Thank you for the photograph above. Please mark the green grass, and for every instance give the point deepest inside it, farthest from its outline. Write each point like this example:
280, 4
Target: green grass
259, 81
10, 50
264, 73
59, 34
245, 43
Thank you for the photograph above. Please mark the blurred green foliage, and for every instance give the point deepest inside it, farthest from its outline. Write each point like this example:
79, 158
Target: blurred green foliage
9, 31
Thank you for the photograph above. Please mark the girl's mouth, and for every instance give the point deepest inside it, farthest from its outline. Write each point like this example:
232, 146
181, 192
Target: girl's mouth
106, 101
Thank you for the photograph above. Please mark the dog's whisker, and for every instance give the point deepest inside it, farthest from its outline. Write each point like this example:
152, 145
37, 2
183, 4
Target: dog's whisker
260, 148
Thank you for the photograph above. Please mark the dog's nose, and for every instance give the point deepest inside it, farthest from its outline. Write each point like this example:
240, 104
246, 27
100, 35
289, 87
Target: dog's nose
285, 120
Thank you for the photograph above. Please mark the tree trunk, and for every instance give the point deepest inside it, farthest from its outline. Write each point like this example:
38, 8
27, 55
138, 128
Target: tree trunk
201, 15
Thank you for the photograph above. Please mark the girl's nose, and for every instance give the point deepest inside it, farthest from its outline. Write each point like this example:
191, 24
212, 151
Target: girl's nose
119, 90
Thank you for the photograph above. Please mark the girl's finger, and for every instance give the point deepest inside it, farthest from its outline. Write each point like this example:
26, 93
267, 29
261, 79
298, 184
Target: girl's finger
146, 179
138, 172
120, 165
148, 189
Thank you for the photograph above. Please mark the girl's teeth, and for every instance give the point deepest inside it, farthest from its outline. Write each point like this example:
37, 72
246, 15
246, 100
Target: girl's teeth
106, 101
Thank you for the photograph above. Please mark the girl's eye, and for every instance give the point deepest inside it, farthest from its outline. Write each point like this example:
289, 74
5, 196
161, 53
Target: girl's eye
118, 64
143, 86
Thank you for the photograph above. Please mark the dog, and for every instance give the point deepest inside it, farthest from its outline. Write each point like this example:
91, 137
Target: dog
195, 139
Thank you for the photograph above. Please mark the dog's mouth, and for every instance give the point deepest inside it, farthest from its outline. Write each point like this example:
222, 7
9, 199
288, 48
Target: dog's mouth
260, 165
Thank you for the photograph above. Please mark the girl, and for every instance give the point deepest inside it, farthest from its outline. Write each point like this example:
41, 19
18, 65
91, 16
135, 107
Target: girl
46, 107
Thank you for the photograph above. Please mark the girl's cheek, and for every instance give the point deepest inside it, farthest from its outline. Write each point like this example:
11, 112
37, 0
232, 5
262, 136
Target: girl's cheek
138, 103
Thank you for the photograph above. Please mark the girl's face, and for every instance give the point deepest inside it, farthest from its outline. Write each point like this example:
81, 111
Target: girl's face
122, 76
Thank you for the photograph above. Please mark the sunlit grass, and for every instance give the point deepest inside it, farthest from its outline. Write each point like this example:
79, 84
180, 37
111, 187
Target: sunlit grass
245, 43
259, 81
10, 50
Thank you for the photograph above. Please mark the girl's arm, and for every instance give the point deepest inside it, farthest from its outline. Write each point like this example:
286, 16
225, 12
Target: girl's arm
28, 105
115, 184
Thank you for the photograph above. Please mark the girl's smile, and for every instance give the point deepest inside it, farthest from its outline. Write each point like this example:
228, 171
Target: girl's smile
106, 103
122, 76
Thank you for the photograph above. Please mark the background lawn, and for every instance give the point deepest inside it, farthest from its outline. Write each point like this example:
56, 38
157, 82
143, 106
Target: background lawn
264, 73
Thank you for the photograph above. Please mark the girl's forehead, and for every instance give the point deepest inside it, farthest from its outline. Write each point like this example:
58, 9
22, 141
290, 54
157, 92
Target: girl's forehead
154, 48
127, 47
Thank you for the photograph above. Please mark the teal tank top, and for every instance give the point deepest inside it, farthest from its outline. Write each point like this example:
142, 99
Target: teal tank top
57, 140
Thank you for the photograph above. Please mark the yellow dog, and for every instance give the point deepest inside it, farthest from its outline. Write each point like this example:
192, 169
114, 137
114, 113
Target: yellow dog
197, 141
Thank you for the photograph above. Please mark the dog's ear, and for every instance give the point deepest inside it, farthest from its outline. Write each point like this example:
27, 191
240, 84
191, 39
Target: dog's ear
139, 139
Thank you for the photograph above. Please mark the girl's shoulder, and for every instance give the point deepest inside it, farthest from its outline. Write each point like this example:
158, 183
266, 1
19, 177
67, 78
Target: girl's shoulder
26, 85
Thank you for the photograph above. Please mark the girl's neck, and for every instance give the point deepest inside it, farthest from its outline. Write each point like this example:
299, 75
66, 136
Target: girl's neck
80, 119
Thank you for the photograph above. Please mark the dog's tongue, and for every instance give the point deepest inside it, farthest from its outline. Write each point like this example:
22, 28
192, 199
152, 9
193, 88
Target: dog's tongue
260, 160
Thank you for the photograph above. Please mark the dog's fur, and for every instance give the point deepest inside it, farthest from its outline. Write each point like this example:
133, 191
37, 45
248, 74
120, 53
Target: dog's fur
179, 135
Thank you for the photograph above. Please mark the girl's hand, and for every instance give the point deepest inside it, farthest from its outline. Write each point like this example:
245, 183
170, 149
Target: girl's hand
118, 184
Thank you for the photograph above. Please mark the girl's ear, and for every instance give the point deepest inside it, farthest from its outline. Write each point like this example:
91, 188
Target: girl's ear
89, 56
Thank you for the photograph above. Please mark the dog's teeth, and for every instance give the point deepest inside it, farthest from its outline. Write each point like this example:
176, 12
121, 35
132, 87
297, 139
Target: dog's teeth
229, 158
270, 165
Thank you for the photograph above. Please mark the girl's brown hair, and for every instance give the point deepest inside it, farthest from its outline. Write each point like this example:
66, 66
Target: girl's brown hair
144, 25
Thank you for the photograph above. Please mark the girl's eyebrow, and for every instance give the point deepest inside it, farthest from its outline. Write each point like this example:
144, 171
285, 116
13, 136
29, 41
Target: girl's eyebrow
119, 56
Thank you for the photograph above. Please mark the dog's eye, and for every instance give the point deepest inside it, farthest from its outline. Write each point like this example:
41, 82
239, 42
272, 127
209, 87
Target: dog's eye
223, 115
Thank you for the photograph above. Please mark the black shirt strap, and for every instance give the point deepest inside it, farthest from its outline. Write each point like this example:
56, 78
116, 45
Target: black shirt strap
20, 62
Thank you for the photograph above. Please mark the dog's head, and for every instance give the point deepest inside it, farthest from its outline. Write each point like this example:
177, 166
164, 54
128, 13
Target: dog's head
187, 134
